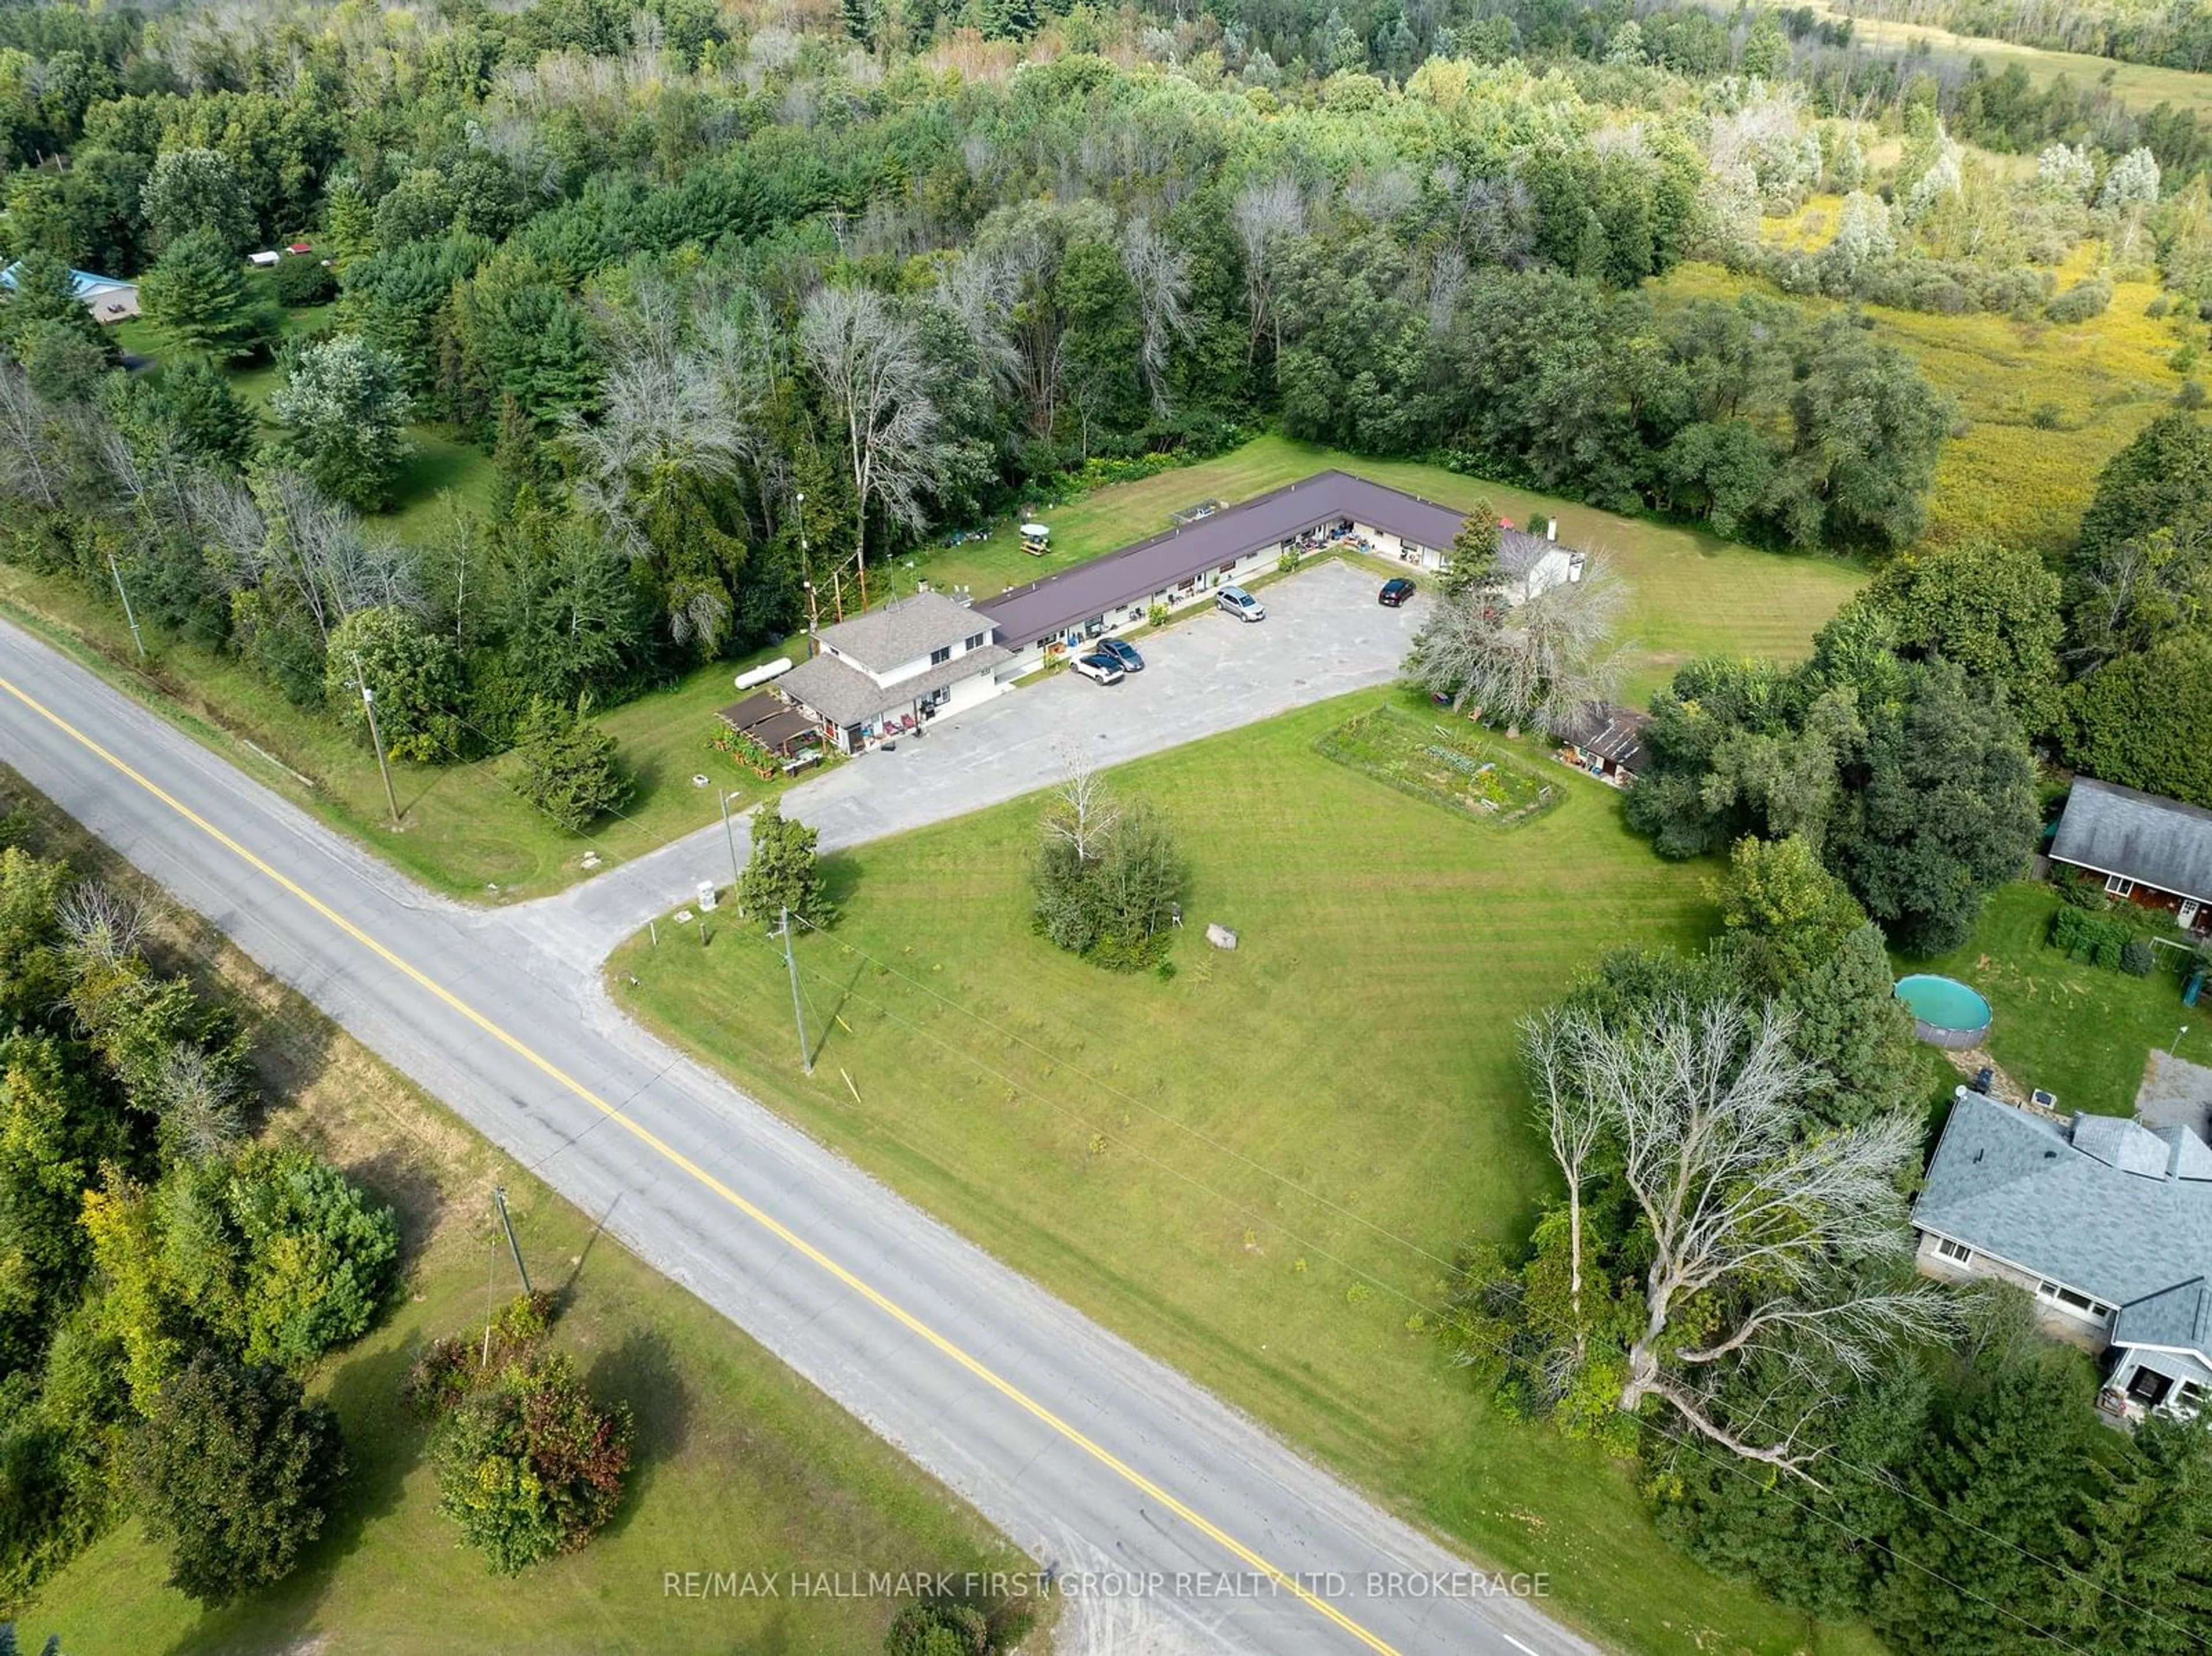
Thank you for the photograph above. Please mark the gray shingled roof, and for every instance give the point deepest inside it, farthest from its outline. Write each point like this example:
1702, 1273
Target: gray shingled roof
846, 695
1136, 574
2027, 1191
2153, 842
1613, 733
906, 629
2173, 1316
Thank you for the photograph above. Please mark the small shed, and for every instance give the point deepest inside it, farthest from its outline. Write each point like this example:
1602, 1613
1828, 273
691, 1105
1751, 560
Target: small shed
1606, 740
263, 261
300, 249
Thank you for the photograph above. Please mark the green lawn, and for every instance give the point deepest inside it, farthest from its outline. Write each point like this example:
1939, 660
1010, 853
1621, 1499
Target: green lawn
1260, 1169
741, 1463
1692, 593
2075, 1030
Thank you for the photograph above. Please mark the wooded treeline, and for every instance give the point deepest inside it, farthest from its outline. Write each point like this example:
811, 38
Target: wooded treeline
673, 271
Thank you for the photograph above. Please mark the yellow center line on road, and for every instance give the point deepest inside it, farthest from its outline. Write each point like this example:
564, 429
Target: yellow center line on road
1282, 1579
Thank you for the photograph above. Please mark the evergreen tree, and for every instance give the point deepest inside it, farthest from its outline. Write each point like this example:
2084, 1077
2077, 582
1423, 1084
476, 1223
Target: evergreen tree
570, 769
196, 295
1472, 565
40, 290
208, 417
784, 871
1993, 1487
2145, 1544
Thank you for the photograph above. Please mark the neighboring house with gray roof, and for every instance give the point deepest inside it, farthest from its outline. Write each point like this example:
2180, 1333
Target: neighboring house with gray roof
888, 670
2107, 1222
2151, 851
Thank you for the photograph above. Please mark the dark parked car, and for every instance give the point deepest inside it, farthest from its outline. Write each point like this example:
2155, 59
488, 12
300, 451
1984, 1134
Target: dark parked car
1125, 653
1395, 591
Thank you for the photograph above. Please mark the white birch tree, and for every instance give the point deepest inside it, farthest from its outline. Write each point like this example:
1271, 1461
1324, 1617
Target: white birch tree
1764, 1241
869, 362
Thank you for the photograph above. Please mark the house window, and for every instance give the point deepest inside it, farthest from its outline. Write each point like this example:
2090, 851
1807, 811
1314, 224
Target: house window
1229, 568
938, 657
1958, 1252
2079, 1303
2118, 886
2188, 1398
974, 643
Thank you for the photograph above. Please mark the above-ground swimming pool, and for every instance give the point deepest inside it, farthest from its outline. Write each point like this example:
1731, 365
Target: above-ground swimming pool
1945, 1012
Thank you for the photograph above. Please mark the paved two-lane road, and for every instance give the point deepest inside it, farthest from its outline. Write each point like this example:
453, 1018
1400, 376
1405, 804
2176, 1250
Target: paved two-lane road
1074, 1444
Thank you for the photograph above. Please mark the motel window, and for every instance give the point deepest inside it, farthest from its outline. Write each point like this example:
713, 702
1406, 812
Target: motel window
1955, 1250
1189, 582
2118, 886
1229, 568
938, 657
975, 642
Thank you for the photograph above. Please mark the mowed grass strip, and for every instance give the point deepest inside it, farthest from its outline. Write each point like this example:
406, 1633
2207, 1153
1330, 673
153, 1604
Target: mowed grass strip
1261, 1168
741, 1464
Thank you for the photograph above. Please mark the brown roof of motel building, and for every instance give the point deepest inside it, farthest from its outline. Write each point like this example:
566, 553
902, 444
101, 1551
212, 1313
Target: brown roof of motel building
1135, 573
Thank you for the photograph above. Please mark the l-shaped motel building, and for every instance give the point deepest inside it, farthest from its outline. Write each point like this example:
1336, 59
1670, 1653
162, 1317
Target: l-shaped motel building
893, 668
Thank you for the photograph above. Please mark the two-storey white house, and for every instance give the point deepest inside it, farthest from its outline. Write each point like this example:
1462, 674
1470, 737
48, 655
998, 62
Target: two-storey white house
891, 669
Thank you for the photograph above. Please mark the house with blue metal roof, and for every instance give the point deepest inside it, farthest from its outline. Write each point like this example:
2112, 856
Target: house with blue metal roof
109, 299
2107, 1221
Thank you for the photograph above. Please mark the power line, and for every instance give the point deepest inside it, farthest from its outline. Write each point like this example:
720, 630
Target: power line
1694, 1444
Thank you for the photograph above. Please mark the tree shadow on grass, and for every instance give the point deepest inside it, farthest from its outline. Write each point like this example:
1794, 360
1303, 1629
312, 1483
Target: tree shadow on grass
381, 1447
642, 1372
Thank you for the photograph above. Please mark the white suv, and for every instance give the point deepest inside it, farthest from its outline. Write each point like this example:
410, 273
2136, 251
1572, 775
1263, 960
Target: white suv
1240, 603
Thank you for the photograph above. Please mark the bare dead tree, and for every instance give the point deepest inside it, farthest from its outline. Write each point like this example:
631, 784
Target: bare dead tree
1536, 663
1082, 813
671, 419
1447, 275
977, 290
1763, 1240
1574, 1126
27, 470
1264, 214
310, 545
870, 363
1161, 275
102, 922
202, 1103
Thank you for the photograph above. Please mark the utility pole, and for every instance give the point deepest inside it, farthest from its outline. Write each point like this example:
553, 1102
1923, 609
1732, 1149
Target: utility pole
730, 839
368, 706
806, 563
129, 613
499, 1200
798, 1015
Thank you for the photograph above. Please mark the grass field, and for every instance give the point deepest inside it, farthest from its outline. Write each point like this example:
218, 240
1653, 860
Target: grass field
1261, 1168
742, 1465
2078, 1031
2139, 86
1691, 592
2046, 405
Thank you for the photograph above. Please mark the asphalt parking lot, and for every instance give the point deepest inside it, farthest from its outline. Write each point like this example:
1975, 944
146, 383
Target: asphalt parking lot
1324, 635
